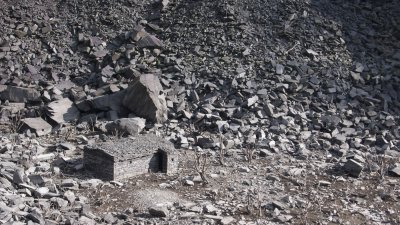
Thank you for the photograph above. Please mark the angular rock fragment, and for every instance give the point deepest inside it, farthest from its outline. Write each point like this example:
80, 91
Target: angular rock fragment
38, 125
103, 103
100, 53
35, 217
18, 94
158, 211
279, 69
143, 98
19, 176
353, 167
68, 146
150, 41
251, 101
395, 171
164, 4
129, 126
227, 220
209, 208
36, 179
62, 111
138, 32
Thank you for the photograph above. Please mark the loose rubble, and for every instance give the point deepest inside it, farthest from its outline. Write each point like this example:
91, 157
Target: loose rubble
282, 112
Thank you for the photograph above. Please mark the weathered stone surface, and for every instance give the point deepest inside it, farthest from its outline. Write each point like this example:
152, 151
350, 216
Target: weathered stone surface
138, 32
129, 126
395, 171
143, 98
62, 111
158, 211
353, 167
227, 220
307, 82
38, 125
18, 94
19, 176
103, 103
150, 41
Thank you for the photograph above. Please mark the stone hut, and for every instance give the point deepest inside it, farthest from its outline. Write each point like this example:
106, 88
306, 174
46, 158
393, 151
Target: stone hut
127, 157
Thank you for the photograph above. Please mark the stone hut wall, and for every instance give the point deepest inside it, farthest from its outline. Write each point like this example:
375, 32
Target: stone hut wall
100, 163
169, 162
134, 167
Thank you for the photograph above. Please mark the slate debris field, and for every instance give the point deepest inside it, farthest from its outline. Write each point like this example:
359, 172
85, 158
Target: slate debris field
282, 112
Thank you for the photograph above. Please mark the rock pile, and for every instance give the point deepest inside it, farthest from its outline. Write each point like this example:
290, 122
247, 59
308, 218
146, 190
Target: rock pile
280, 93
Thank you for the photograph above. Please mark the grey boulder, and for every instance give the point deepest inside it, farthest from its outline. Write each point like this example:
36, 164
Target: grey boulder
130, 126
63, 110
18, 94
143, 98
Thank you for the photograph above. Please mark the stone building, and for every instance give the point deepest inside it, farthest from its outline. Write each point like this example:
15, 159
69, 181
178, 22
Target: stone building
127, 157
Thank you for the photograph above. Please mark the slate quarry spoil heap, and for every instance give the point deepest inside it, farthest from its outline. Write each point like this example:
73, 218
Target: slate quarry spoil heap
128, 157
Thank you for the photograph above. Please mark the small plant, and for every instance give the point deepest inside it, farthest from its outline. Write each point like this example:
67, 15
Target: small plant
380, 164
16, 122
92, 124
68, 133
249, 152
222, 150
117, 133
201, 165
254, 203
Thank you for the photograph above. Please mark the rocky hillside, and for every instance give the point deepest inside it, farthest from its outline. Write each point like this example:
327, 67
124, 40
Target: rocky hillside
281, 111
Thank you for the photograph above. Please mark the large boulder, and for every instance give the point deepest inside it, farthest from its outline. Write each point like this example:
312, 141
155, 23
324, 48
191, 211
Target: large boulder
143, 98
103, 103
63, 110
18, 94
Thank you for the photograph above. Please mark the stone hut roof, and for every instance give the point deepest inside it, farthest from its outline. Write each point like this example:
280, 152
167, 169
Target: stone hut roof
133, 147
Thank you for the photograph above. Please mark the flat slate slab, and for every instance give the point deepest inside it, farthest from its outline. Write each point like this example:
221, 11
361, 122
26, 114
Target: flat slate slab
38, 125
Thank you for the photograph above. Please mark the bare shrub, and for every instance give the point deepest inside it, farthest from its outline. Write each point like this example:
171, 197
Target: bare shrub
201, 165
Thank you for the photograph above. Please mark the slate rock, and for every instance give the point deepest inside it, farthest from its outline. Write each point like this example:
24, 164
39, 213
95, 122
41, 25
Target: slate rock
35, 217
109, 218
210, 209
36, 179
62, 111
159, 211
150, 41
244, 169
395, 172
103, 103
143, 98
41, 191
353, 167
68, 146
279, 69
18, 94
130, 126
188, 182
86, 220
18, 176
227, 220
138, 32
251, 101
38, 125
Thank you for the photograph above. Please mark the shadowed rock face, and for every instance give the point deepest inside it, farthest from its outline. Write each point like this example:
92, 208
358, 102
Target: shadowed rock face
18, 94
143, 98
